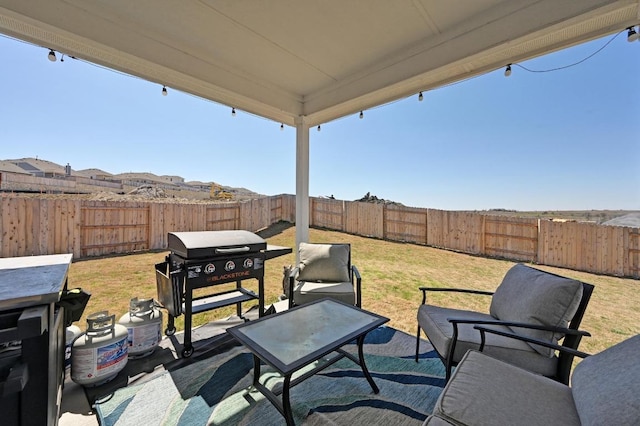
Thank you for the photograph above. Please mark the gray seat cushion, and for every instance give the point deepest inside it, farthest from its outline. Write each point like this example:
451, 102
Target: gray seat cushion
324, 262
305, 292
433, 320
487, 391
606, 386
536, 297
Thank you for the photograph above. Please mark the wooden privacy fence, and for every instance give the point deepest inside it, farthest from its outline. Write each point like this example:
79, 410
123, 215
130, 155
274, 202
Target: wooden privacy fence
602, 249
32, 226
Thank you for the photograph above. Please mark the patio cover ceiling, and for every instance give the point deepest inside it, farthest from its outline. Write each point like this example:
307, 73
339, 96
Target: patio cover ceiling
321, 60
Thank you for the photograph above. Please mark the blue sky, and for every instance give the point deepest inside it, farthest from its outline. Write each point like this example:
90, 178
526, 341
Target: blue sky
561, 140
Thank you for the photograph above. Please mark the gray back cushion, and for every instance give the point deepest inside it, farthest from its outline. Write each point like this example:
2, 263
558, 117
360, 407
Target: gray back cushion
606, 386
536, 297
324, 262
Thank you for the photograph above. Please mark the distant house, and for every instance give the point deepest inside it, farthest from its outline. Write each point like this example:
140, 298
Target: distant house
10, 166
101, 176
40, 168
52, 174
173, 179
96, 174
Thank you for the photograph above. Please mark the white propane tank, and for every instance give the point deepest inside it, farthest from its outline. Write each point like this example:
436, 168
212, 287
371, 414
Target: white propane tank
144, 327
101, 352
72, 333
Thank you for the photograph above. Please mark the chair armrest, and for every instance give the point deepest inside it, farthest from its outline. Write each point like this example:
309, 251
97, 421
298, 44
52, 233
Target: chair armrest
357, 284
481, 324
424, 291
554, 346
551, 328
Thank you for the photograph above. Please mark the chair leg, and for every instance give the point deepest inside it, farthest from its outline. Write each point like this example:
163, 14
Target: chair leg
418, 343
449, 362
451, 351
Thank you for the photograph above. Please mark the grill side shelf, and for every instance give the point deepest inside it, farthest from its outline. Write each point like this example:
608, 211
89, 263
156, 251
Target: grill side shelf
169, 288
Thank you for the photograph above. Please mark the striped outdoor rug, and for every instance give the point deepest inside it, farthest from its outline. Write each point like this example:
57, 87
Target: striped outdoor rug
217, 391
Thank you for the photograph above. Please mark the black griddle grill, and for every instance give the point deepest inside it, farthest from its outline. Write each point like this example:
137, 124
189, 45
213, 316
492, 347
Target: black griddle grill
207, 259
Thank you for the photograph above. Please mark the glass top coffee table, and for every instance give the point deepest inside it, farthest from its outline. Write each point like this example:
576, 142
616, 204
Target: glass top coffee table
293, 339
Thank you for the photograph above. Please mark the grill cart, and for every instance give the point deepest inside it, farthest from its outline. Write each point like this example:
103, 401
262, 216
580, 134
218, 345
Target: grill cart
208, 259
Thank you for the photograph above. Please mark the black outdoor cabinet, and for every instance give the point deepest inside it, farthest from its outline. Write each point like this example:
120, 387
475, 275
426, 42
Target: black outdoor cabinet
32, 338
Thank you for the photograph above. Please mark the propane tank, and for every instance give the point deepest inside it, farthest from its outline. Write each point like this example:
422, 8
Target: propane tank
72, 333
101, 352
144, 327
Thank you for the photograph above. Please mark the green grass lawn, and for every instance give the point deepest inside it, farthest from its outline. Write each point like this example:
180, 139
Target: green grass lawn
391, 274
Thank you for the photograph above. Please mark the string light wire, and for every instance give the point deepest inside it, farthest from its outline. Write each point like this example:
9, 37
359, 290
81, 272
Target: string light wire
575, 63
371, 108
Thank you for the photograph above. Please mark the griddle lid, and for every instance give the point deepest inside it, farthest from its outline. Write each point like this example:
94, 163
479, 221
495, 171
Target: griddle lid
204, 244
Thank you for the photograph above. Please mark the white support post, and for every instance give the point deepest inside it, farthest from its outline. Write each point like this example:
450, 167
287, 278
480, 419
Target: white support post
302, 183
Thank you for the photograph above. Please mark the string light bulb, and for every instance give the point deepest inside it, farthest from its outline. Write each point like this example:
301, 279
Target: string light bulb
233, 112
318, 127
507, 71
164, 90
361, 115
420, 97
281, 126
51, 55
632, 35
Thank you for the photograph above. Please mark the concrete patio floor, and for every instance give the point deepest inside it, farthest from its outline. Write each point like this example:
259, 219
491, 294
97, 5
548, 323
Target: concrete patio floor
76, 410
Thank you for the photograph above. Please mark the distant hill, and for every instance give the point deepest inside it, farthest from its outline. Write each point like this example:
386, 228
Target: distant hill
93, 180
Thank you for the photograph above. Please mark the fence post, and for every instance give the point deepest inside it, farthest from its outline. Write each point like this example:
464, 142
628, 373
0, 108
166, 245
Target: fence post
483, 236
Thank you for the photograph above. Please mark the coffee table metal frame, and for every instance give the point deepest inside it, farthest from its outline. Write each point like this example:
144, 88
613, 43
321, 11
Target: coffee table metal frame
335, 343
